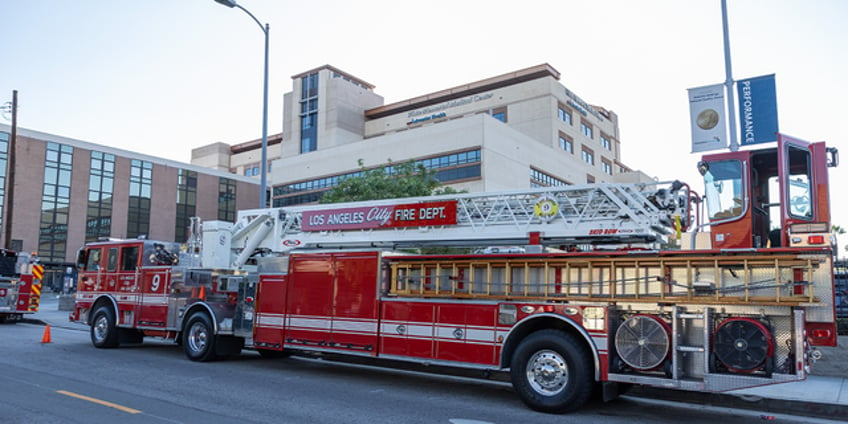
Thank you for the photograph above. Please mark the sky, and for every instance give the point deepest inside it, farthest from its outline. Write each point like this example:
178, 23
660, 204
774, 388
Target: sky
161, 77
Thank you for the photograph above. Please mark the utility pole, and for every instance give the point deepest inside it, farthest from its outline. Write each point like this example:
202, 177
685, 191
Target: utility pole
10, 178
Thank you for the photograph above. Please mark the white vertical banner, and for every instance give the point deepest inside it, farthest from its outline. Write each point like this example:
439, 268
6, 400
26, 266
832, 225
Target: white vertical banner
706, 108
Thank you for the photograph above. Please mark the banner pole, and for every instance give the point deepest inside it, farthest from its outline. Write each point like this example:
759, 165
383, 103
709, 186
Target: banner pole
731, 108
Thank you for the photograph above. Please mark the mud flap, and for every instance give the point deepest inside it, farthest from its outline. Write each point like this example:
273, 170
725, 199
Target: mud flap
611, 390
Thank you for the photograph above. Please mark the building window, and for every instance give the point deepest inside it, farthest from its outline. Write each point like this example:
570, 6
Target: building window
499, 113
542, 179
449, 168
309, 113
101, 182
605, 142
186, 203
590, 179
141, 185
566, 143
606, 166
55, 202
251, 170
586, 128
226, 199
564, 114
588, 155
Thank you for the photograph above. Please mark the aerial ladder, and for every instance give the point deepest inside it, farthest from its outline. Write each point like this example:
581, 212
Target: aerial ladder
645, 213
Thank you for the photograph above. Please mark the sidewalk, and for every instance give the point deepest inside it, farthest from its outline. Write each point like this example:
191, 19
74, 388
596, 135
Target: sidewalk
49, 313
820, 395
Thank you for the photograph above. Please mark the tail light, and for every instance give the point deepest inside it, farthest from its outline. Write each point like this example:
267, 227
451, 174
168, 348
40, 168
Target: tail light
809, 234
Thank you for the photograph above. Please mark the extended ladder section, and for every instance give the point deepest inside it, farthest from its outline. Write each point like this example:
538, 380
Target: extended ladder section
567, 215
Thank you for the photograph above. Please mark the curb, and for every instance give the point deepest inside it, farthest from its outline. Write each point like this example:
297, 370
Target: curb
32, 321
764, 405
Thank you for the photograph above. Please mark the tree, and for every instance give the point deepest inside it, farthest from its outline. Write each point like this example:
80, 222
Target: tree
390, 181
836, 230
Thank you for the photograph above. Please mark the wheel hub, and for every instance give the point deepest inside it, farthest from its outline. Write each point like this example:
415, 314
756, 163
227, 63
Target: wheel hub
547, 372
100, 329
197, 338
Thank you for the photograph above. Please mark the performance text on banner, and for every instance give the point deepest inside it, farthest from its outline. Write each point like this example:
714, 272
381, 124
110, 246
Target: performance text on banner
757, 109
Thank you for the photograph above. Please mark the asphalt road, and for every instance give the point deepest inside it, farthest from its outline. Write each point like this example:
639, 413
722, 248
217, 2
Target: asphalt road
70, 381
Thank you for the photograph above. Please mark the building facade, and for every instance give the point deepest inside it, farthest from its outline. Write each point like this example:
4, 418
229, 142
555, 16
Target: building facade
68, 192
240, 159
518, 130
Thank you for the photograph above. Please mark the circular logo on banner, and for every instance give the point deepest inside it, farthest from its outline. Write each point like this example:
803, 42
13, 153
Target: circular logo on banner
707, 119
546, 208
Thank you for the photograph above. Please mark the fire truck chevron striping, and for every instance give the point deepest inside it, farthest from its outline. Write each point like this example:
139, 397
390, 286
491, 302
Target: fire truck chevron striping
20, 285
35, 287
589, 298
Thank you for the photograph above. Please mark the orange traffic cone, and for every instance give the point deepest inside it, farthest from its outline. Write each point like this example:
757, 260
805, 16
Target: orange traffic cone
46, 337
202, 294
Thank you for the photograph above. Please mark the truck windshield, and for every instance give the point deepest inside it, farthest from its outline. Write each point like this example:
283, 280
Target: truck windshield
723, 188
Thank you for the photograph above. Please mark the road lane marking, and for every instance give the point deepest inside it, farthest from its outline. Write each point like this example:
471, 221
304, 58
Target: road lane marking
99, 402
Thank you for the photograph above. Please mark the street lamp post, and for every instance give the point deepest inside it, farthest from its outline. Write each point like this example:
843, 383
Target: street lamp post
262, 166
10, 178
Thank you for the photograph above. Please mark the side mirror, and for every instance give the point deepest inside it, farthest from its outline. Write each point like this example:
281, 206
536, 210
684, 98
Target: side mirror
81, 258
833, 160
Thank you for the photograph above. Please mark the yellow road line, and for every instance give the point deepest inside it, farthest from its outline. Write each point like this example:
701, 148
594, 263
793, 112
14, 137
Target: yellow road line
99, 402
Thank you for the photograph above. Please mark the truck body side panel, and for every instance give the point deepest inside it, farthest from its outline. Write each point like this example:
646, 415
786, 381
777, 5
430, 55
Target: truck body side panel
272, 298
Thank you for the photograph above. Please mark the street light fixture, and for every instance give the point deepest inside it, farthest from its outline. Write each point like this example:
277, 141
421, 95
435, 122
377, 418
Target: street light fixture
262, 166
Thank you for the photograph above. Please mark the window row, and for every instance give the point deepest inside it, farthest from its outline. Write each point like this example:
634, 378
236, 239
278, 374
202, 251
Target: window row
444, 161
541, 179
587, 154
564, 114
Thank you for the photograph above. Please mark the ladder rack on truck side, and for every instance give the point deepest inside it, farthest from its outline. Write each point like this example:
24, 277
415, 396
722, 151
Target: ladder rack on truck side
581, 214
679, 278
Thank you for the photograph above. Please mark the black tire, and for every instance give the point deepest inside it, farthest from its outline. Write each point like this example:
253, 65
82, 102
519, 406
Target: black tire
104, 333
552, 372
199, 338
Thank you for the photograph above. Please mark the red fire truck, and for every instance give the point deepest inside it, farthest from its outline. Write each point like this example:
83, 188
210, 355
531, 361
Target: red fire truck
594, 295
20, 285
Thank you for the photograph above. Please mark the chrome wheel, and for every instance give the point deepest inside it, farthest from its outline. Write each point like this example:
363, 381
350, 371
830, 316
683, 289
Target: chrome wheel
100, 328
552, 371
198, 337
103, 331
547, 372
